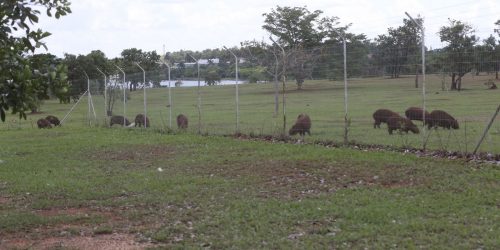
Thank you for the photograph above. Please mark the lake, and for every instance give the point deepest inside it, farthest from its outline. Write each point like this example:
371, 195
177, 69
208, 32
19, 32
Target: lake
194, 83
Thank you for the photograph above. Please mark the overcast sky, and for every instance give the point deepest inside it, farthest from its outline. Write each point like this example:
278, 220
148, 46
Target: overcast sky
114, 25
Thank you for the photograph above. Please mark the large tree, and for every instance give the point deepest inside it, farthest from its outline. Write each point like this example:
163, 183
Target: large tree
397, 49
147, 60
18, 89
301, 33
458, 53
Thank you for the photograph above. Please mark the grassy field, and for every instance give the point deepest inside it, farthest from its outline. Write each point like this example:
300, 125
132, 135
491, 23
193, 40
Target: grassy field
322, 100
100, 188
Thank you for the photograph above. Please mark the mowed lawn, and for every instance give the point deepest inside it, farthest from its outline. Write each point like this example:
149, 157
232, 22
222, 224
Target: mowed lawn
108, 188
324, 102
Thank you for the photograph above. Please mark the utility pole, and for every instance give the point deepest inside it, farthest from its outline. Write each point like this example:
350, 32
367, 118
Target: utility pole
237, 93
199, 94
422, 29
144, 87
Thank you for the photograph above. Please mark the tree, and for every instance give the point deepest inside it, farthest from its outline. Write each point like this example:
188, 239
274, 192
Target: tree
147, 60
399, 47
459, 51
301, 33
51, 75
18, 90
260, 54
497, 50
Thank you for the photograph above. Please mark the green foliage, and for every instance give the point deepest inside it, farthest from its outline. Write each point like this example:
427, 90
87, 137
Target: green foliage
253, 74
212, 77
19, 91
460, 40
398, 47
303, 35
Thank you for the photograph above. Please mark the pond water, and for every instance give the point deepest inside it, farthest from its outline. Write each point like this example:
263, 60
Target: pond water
194, 83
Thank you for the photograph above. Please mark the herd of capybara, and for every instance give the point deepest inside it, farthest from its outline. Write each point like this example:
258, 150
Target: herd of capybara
394, 121
434, 119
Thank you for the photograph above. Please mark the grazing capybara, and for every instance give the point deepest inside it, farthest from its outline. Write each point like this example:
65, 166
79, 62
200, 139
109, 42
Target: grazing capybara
139, 121
118, 119
182, 121
381, 115
414, 113
439, 118
54, 120
302, 125
43, 123
397, 122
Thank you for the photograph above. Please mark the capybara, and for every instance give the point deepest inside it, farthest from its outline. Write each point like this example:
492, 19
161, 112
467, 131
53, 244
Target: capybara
54, 120
381, 115
415, 113
302, 125
139, 121
118, 119
182, 121
439, 118
397, 122
43, 123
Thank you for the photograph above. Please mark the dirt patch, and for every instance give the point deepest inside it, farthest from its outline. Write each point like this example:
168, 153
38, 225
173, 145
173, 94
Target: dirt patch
299, 179
4, 200
133, 153
80, 211
111, 241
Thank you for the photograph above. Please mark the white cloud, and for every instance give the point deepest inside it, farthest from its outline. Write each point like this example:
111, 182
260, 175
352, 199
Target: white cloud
114, 25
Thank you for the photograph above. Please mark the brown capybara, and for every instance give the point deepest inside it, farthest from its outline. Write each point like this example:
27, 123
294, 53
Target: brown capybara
118, 119
53, 120
415, 113
182, 121
439, 118
139, 121
381, 115
302, 125
397, 122
43, 123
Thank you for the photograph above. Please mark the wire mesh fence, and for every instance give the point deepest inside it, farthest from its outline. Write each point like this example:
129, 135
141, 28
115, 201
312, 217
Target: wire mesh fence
269, 106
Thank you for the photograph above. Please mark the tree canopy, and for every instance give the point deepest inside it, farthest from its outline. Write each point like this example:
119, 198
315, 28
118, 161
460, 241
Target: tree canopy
20, 85
460, 39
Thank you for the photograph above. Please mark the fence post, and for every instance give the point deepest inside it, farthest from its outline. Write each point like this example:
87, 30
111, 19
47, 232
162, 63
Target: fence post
144, 87
124, 96
237, 93
105, 96
346, 141
199, 94
422, 28
486, 130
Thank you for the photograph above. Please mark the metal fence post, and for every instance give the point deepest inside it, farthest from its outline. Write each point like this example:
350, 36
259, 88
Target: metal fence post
144, 87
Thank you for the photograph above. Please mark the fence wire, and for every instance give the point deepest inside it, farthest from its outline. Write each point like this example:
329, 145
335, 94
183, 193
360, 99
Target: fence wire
375, 81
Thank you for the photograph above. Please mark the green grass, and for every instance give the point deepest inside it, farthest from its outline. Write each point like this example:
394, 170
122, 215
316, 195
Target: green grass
322, 100
226, 193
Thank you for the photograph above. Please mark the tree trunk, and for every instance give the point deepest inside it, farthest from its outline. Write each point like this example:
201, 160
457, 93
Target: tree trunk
459, 83
453, 82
